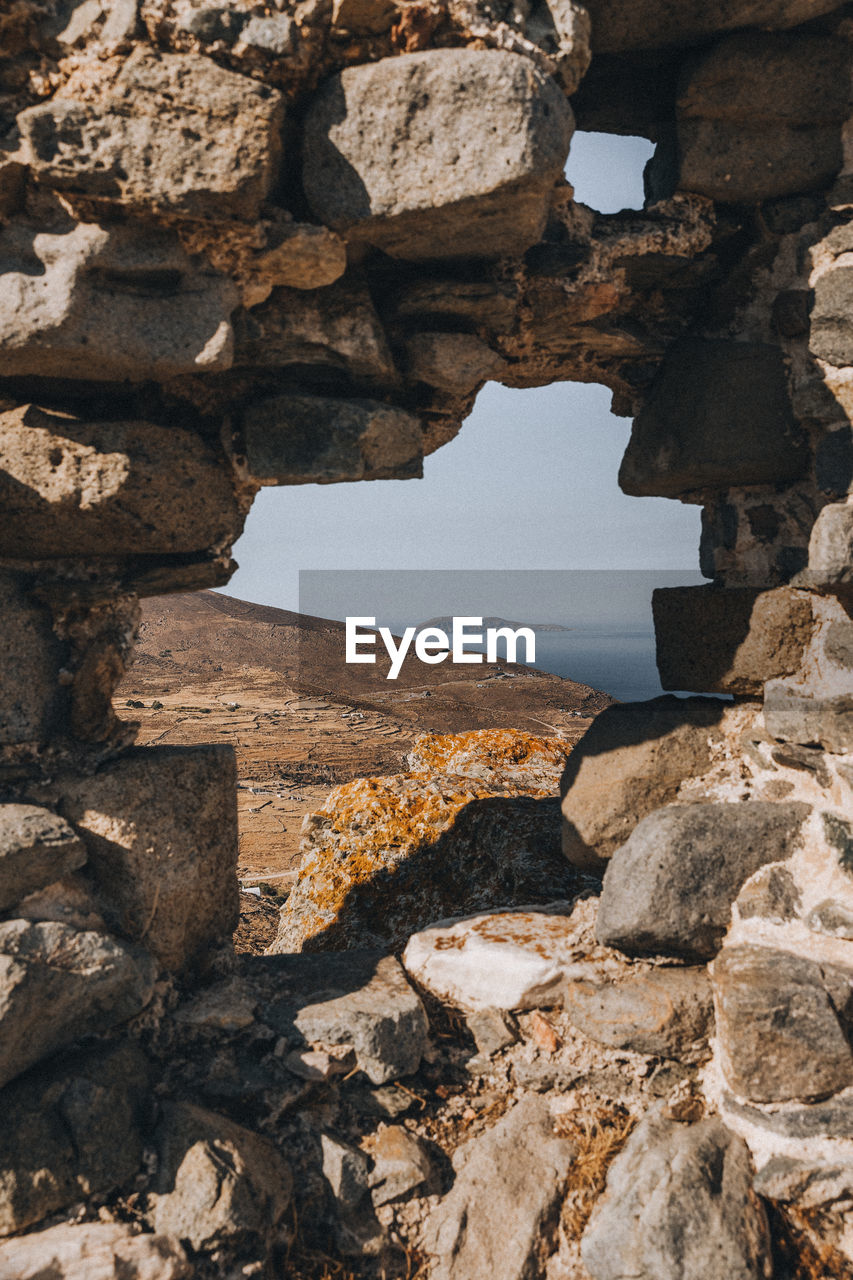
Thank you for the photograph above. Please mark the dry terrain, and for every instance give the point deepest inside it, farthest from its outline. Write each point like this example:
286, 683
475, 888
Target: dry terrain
210, 668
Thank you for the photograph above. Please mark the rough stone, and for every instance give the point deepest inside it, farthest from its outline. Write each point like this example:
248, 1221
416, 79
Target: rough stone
781, 1023
667, 1012
506, 757
71, 487
670, 888
631, 760
760, 116
116, 302
831, 545
30, 659
93, 1251
160, 827
771, 894
175, 133
793, 713
833, 918
718, 415
335, 328
458, 363
400, 153
811, 1185
831, 334
384, 857
317, 440
73, 1129
401, 1163
361, 999
500, 1217
301, 255
729, 640
218, 1185
36, 848
622, 25
679, 1205
57, 985
345, 1170
503, 960
492, 1030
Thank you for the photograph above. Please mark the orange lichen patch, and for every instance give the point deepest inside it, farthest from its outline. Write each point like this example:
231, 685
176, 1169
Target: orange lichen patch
382, 820
502, 755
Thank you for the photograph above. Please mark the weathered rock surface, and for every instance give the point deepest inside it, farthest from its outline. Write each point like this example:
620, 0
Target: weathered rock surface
458, 363
399, 153
831, 330
71, 487
172, 133
621, 25
717, 640
679, 1205
670, 888
401, 1163
30, 658
72, 1129
500, 1218
384, 857
36, 848
93, 1251
334, 328
793, 713
831, 544
717, 416
111, 302
57, 985
667, 1012
318, 440
503, 960
771, 894
631, 760
218, 1185
359, 998
160, 827
508, 757
760, 116
782, 1024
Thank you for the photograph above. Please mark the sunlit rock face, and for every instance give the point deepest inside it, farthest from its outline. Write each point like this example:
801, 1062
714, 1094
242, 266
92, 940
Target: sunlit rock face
261, 244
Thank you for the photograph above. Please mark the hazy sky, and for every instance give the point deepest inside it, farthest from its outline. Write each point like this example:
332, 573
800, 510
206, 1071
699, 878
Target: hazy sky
529, 482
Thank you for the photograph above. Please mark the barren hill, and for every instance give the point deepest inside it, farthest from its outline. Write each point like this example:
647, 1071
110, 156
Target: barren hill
209, 667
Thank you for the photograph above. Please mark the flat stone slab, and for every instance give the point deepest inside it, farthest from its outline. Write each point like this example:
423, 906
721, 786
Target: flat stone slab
36, 848
94, 1251
504, 960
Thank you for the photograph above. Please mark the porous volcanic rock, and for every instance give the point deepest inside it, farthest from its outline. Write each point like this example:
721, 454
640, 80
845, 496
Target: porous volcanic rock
396, 152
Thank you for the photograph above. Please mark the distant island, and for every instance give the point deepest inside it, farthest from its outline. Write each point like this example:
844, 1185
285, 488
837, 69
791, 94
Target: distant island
446, 624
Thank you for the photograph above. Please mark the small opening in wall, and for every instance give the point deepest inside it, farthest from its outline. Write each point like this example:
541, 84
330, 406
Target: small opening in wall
606, 170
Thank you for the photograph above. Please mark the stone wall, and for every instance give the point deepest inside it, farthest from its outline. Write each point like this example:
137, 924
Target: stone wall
288, 243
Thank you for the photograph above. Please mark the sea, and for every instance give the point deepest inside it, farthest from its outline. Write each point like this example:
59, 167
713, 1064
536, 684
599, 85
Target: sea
618, 662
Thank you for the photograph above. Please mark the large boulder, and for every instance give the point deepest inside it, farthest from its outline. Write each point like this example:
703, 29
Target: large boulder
729, 639
760, 116
632, 759
446, 153
669, 889
679, 1205
73, 1129
384, 857
58, 984
71, 487
160, 827
173, 133
500, 1219
783, 1025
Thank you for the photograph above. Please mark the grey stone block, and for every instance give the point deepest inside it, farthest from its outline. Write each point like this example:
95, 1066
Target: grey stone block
718, 415
670, 888
36, 848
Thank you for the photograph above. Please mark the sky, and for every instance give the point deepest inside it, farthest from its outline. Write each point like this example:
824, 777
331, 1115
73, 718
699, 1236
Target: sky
529, 482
